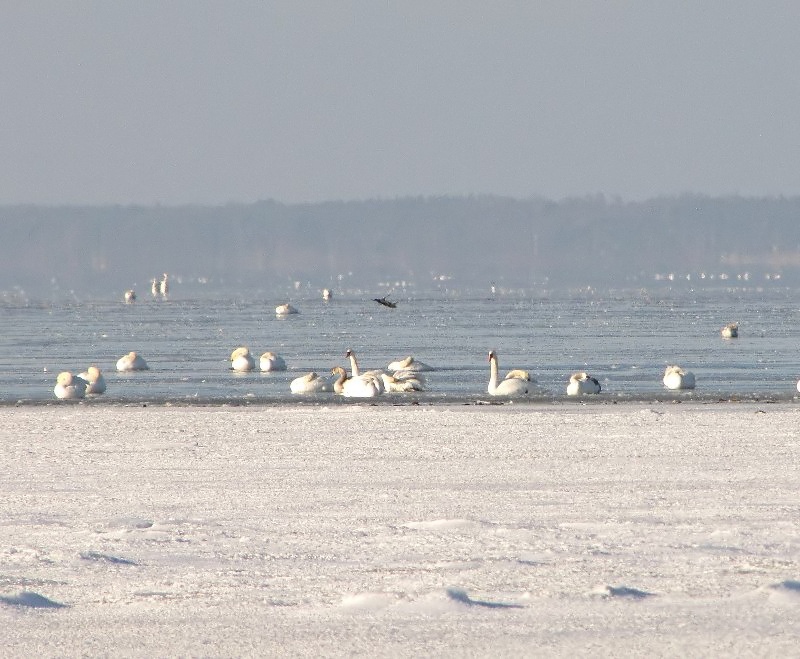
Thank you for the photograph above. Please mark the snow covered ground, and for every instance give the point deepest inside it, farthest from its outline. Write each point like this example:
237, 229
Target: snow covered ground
521, 530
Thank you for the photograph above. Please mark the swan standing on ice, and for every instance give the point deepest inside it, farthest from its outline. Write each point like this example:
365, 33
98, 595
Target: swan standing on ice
154, 287
132, 362
285, 309
409, 364
269, 361
130, 296
310, 383
677, 378
730, 331
582, 383
508, 387
69, 386
95, 382
163, 286
242, 361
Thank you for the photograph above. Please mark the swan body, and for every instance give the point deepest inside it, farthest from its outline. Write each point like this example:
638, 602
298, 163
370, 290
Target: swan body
130, 296
409, 364
798, 386
310, 383
507, 387
285, 309
519, 374
242, 361
95, 382
69, 386
132, 362
677, 378
327, 294
269, 361
582, 383
730, 331
154, 287
394, 383
362, 386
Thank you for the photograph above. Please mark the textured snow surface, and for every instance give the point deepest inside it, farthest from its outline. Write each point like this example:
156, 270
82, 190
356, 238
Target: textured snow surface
521, 530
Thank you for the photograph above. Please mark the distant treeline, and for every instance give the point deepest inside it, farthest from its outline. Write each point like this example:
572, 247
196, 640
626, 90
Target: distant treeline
468, 241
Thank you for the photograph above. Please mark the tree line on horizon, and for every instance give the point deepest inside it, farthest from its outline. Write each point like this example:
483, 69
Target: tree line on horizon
468, 241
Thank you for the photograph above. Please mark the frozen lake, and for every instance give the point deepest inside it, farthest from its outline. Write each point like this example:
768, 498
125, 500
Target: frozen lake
531, 529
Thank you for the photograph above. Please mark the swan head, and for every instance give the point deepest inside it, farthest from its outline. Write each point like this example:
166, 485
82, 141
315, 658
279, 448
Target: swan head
492, 355
674, 369
93, 372
268, 355
64, 378
338, 370
240, 352
349, 353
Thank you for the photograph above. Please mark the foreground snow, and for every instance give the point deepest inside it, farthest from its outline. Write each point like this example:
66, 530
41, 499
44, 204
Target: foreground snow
543, 530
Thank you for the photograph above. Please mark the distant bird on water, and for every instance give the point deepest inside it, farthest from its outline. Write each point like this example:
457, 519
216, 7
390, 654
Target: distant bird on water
730, 331
130, 296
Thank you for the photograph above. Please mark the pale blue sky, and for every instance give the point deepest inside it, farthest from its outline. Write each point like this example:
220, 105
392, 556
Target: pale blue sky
210, 102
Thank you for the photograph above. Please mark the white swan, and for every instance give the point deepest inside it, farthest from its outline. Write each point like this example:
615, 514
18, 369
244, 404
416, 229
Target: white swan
327, 294
154, 287
730, 331
375, 373
310, 383
401, 384
241, 360
519, 374
582, 383
508, 387
269, 361
95, 382
163, 286
285, 309
132, 362
130, 296
409, 364
798, 386
69, 386
677, 378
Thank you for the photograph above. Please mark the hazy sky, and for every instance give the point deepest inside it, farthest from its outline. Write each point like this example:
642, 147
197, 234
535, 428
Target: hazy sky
211, 102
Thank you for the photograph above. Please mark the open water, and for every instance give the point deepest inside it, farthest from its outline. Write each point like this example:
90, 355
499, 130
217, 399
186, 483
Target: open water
623, 338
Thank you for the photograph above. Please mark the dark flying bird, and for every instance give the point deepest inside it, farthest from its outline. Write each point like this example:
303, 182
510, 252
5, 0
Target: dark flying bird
385, 302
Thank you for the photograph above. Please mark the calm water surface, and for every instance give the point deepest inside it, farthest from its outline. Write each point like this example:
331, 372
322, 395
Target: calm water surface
624, 338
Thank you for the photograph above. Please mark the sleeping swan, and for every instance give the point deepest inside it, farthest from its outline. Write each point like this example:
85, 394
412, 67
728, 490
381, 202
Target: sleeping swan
510, 386
132, 362
408, 364
285, 309
677, 378
730, 331
242, 361
95, 382
310, 383
582, 383
69, 387
271, 362
368, 385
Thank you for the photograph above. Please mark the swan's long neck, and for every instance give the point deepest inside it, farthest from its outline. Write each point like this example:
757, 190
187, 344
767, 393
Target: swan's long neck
354, 365
341, 374
493, 373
